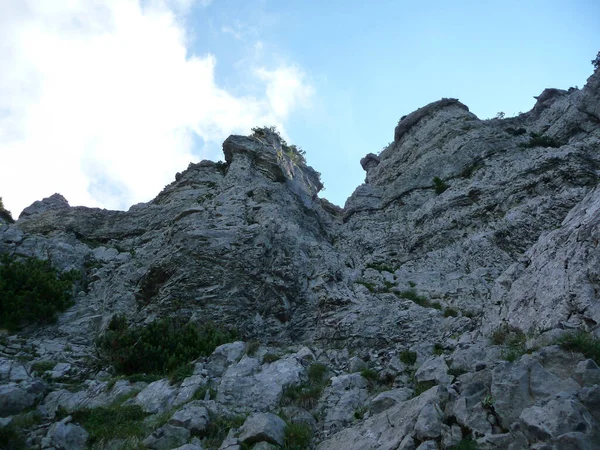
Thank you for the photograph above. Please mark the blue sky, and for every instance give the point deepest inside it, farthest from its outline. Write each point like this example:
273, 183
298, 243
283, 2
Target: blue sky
105, 100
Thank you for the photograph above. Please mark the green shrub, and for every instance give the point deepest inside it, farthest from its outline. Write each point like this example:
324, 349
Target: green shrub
596, 62
306, 395
5, 214
439, 185
200, 394
438, 349
408, 357
32, 291
508, 335
584, 343
161, 347
298, 436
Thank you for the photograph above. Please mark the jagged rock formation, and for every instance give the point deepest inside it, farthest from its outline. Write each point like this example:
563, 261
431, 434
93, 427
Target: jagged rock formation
463, 227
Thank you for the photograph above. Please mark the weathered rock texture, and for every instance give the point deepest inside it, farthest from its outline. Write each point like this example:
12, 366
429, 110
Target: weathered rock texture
403, 284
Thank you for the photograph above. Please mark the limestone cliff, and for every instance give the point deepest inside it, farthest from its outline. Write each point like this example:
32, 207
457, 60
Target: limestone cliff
464, 232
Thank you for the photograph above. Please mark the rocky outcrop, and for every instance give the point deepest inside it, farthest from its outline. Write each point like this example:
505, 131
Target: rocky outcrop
424, 314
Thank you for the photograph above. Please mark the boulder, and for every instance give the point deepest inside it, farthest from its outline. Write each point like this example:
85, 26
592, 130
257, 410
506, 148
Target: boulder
265, 427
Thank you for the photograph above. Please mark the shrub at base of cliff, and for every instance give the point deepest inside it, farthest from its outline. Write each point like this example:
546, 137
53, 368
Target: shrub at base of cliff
32, 291
162, 347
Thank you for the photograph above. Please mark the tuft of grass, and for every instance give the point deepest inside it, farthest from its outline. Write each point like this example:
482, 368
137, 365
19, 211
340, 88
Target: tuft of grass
436, 305
380, 267
412, 284
539, 140
43, 366
369, 374
515, 131
439, 185
270, 358
316, 372
512, 339
438, 349
466, 444
450, 312
412, 295
219, 427
370, 286
359, 413
408, 357
423, 386
584, 343
181, 372
105, 423
298, 436
200, 394
252, 347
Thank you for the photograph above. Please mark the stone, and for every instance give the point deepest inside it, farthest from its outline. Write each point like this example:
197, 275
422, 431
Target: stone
355, 364
167, 437
555, 418
263, 427
14, 399
342, 398
67, 435
188, 388
428, 445
157, 397
192, 416
387, 399
434, 369
429, 423
587, 373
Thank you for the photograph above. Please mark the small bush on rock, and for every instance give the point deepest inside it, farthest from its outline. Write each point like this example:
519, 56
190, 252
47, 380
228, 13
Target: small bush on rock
538, 140
32, 291
161, 347
408, 357
439, 185
297, 436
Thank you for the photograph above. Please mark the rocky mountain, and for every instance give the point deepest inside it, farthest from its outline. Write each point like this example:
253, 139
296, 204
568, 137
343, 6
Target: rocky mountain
452, 303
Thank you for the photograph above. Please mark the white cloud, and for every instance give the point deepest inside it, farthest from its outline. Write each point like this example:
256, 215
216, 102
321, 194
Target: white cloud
99, 102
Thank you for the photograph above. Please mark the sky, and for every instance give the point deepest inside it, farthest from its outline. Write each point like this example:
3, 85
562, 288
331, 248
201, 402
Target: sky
104, 101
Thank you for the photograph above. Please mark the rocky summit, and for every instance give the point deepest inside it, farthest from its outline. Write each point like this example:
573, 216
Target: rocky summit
453, 303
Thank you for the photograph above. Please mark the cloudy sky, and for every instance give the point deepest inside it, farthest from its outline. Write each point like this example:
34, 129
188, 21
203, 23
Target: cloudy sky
104, 101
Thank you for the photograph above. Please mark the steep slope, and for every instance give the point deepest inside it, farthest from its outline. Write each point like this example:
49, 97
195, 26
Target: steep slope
402, 321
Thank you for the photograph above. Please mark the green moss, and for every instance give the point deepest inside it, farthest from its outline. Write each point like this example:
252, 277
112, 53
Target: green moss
160, 348
32, 291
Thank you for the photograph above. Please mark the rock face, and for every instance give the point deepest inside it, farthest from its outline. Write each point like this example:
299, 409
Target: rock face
400, 321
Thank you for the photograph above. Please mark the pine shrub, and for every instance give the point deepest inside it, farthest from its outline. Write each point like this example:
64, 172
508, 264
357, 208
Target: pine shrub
32, 291
161, 348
